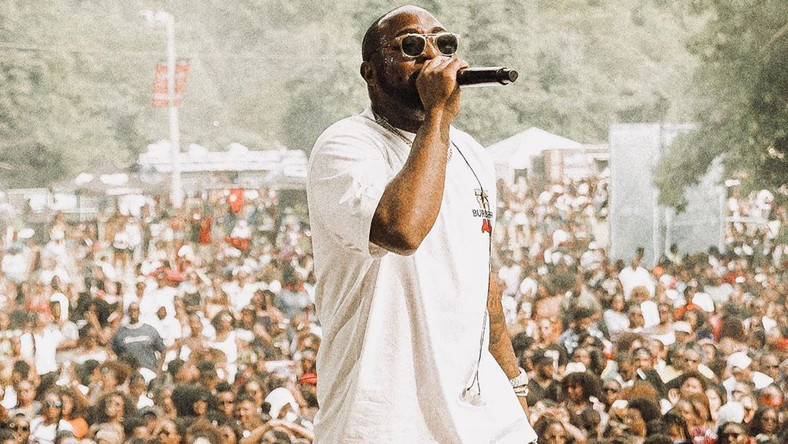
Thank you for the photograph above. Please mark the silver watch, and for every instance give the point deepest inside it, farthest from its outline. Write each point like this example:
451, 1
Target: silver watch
519, 380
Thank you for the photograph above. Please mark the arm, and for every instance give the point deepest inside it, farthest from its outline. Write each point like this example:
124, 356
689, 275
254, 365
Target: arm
500, 343
256, 435
68, 344
409, 206
300, 431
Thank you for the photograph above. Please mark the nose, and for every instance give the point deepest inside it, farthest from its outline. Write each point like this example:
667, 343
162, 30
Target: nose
431, 49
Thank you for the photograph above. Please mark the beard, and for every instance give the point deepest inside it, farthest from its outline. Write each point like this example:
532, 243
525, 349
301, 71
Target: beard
406, 95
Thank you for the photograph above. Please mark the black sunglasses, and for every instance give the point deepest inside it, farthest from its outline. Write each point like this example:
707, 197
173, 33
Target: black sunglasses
414, 45
20, 427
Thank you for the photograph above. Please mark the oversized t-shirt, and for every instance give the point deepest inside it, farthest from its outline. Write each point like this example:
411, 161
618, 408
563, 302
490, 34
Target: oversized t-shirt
141, 341
402, 335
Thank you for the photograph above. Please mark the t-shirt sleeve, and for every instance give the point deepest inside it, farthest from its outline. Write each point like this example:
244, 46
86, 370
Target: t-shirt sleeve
115, 343
158, 343
348, 174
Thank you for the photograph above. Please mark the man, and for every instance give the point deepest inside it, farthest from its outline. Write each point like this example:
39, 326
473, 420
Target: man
166, 325
582, 323
693, 362
683, 332
739, 365
649, 309
770, 366
636, 320
544, 383
68, 330
401, 221
635, 275
139, 340
40, 343
643, 361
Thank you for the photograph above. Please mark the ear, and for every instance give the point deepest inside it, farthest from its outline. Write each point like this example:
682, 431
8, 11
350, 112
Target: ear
367, 71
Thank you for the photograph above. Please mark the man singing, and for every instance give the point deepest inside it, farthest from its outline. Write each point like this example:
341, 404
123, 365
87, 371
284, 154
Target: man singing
415, 347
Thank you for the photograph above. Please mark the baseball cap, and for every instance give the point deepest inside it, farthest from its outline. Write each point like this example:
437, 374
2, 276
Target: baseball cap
739, 360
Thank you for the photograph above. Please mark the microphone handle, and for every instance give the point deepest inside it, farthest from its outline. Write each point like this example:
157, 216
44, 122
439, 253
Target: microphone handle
484, 76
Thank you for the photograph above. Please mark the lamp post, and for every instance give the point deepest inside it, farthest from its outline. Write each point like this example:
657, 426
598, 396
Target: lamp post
168, 20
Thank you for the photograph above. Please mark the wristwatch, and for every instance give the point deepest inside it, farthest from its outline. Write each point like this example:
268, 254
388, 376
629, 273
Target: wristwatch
519, 380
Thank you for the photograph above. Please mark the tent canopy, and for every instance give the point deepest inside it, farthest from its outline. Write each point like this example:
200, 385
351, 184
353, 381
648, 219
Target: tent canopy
516, 151
107, 180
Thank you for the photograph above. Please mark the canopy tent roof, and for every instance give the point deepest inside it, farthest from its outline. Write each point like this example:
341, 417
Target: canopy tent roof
107, 180
235, 159
275, 168
517, 150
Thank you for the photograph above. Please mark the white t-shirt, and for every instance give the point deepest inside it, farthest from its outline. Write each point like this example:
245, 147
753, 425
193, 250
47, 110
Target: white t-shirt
238, 296
401, 334
46, 434
510, 275
633, 277
42, 346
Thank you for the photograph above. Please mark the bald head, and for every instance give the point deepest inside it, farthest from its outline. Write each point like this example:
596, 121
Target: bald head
376, 35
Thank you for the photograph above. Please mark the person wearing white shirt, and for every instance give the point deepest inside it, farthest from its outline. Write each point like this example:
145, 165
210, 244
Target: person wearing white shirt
160, 294
415, 347
40, 344
529, 286
241, 289
45, 427
634, 275
739, 365
616, 320
168, 327
509, 274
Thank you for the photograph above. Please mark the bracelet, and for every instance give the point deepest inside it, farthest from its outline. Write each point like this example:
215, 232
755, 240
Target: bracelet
519, 380
521, 391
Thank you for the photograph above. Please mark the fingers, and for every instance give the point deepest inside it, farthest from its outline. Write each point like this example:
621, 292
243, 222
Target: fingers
447, 66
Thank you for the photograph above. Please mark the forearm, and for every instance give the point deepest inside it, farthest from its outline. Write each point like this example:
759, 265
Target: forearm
256, 435
67, 345
500, 342
411, 201
301, 431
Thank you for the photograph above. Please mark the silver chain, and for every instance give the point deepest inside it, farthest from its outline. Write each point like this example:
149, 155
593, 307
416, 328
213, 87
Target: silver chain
385, 124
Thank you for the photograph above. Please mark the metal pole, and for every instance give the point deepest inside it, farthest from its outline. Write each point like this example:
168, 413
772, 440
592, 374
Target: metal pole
176, 190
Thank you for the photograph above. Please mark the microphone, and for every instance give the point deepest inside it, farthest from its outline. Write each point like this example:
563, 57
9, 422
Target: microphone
486, 76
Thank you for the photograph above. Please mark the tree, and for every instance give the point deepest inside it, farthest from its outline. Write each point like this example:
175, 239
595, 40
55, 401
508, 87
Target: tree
78, 74
740, 100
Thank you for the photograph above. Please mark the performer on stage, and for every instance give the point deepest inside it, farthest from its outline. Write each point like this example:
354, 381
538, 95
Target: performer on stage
414, 347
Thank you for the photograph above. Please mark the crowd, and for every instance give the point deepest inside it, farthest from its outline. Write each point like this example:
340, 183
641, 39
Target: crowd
164, 326
691, 349
198, 325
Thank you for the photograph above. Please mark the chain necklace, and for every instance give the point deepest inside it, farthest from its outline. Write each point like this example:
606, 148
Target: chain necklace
467, 393
385, 124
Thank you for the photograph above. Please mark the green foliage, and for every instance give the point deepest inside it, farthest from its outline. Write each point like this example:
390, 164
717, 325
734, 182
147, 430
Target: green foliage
78, 74
740, 97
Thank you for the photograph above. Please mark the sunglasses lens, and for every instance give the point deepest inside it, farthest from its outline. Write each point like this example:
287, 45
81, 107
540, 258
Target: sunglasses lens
413, 45
446, 43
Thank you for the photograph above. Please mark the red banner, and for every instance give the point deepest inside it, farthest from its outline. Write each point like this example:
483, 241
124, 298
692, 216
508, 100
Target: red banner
161, 97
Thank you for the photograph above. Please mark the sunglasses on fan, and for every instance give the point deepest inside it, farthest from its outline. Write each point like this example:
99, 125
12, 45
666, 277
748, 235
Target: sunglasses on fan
414, 45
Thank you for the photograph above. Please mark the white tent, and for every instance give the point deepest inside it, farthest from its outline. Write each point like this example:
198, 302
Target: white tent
517, 152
